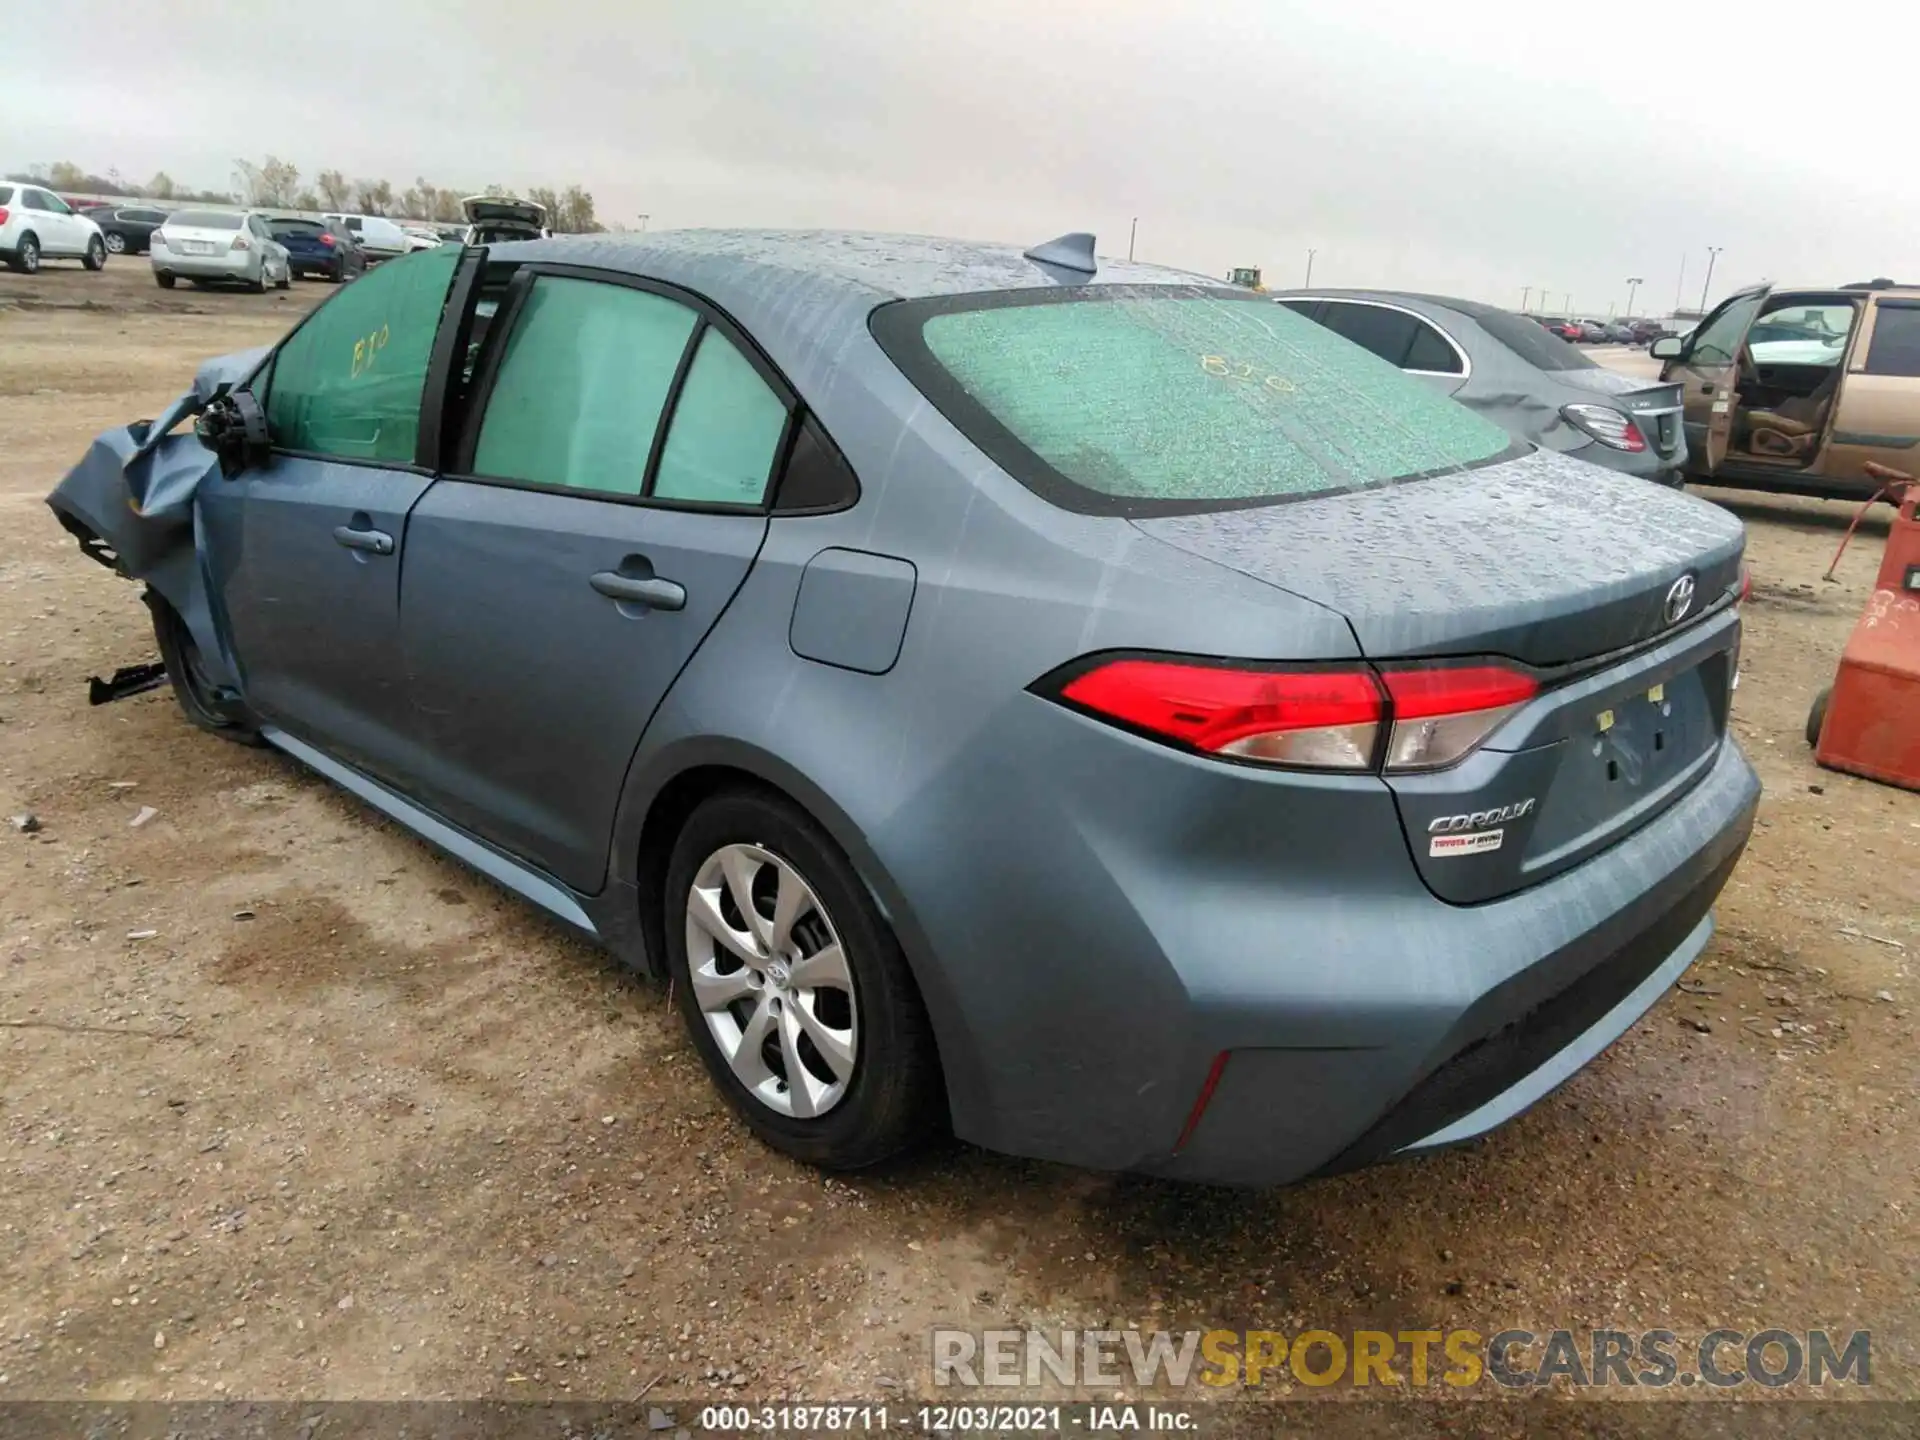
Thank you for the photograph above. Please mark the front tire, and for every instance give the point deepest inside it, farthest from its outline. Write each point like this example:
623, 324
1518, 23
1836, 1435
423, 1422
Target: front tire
793, 987
96, 256
117, 244
203, 702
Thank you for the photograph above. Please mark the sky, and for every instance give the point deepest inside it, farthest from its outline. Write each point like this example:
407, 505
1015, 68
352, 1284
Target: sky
1477, 148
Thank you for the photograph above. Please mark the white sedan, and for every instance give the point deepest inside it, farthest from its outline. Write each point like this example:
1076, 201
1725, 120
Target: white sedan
208, 245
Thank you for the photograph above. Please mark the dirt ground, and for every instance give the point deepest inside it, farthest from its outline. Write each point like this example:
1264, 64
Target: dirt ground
292, 1106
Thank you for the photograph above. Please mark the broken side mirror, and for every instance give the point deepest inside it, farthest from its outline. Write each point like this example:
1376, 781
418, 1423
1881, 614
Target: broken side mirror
234, 427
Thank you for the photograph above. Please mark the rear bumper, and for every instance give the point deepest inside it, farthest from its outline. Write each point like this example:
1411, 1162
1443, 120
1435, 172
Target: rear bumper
1513, 998
227, 266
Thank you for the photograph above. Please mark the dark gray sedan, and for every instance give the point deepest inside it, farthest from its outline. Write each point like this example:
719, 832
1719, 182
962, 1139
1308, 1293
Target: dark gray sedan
1077, 701
1523, 378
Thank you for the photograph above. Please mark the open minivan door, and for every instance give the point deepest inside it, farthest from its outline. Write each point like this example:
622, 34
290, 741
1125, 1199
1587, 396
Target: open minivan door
1706, 366
1876, 416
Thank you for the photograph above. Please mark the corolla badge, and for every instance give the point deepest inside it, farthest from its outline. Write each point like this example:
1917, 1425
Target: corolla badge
1679, 599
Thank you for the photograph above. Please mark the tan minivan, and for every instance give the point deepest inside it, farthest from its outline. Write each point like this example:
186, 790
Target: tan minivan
1796, 390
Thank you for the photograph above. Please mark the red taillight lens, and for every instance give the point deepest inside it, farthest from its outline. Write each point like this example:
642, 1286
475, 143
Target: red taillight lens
1311, 718
1607, 425
240, 242
3, 214
1746, 586
326, 239
1442, 713
1325, 719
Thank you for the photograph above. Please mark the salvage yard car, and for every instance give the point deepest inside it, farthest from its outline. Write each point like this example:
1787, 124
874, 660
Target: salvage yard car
36, 224
1513, 371
213, 246
1076, 701
1798, 391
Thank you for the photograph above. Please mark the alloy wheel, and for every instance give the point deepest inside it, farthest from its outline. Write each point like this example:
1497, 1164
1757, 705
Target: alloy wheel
771, 980
117, 244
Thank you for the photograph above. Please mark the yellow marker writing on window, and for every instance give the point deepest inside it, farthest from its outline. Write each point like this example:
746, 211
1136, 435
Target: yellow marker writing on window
1657, 694
1606, 721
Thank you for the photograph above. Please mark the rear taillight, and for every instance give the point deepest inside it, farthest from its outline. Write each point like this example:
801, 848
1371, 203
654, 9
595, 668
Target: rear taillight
1324, 719
240, 242
1746, 586
326, 240
1606, 425
1396, 717
1443, 713
3, 214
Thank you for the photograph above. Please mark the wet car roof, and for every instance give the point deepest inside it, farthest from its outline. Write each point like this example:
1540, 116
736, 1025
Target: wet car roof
877, 266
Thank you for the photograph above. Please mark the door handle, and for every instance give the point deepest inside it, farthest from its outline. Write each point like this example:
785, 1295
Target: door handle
656, 594
376, 542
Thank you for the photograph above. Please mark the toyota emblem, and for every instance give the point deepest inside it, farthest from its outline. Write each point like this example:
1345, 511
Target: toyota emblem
1679, 599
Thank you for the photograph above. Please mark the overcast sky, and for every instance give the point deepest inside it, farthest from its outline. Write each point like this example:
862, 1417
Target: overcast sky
1471, 148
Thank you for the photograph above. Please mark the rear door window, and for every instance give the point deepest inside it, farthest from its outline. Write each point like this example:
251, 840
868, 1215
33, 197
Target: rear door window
1158, 399
583, 381
347, 383
1387, 333
1895, 347
726, 430
6, 194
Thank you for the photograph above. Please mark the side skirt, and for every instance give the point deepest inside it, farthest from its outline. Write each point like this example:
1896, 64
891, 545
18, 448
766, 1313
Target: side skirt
549, 895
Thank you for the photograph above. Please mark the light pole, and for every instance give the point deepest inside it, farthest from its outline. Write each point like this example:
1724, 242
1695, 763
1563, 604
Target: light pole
1569, 305
1713, 254
1526, 292
1634, 282
1681, 283
1310, 255
643, 223
1131, 232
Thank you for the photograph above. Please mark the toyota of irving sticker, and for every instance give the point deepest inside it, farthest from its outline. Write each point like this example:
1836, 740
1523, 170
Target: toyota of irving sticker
1473, 833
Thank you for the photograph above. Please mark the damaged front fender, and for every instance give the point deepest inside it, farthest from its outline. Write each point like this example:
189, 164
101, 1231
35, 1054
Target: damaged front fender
133, 504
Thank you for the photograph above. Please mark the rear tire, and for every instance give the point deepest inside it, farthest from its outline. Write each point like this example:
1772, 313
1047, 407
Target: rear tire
117, 244
26, 256
163, 279
890, 1098
198, 697
259, 286
96, 256
1817, 716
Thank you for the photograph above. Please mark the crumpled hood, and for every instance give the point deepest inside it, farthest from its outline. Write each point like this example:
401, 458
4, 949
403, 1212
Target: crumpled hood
1545, 559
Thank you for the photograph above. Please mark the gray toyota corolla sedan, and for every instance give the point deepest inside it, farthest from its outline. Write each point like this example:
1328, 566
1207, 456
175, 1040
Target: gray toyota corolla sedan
1076, 701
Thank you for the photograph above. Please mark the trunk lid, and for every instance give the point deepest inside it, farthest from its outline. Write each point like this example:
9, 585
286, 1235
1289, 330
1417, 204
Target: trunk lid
200, 239
1544, 559
1654, 405
1573, 571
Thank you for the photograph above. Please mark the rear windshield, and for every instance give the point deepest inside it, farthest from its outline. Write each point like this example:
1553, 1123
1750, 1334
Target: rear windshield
295, 227
1153, 399
1529, 339
6, 194
204, 220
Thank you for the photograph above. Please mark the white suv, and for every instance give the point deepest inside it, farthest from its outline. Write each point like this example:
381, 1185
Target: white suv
36, 223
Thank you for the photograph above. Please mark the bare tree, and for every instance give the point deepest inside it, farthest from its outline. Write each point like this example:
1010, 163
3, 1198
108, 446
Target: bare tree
160, 187
375, 197
576, 208
307, 200
334, 189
